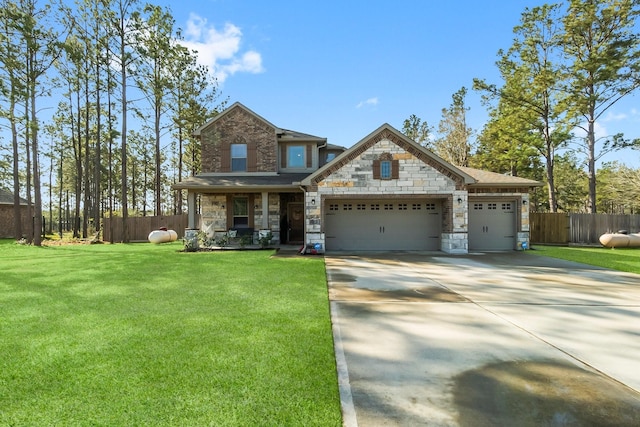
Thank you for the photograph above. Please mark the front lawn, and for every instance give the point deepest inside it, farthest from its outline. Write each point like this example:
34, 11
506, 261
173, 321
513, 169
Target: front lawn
148, 335
622, 259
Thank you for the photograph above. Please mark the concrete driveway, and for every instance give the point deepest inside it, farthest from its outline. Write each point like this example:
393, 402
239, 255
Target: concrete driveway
484, 340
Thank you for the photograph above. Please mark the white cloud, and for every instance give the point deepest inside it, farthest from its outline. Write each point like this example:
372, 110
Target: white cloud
371, 101
614, 117
220, 49
600, 131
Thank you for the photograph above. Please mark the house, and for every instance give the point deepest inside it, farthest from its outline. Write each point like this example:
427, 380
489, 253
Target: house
386, 192
7, 215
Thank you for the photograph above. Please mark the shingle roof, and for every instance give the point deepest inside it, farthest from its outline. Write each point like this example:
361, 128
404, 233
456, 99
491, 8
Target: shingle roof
6, 198
486, 178
241, 182
292, 135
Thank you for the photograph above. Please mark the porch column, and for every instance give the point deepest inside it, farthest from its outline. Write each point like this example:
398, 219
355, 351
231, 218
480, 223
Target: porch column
191, 210
265, 210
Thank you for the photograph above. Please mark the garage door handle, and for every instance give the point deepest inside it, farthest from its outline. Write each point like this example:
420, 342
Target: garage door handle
382, 229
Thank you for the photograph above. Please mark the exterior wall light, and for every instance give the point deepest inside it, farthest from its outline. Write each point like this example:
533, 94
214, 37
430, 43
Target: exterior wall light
459, 200
313, 201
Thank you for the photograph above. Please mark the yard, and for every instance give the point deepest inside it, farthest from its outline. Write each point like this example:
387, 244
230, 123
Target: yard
148, 335
622, 259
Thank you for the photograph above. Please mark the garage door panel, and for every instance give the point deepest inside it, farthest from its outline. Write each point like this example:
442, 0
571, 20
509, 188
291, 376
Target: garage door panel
492, 225
382, 225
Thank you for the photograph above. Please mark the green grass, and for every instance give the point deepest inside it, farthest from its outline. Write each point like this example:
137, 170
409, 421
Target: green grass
622, 259
148, 335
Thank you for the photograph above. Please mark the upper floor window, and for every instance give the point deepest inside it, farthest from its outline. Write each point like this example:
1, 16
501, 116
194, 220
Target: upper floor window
295, 156
238, 157
385, 169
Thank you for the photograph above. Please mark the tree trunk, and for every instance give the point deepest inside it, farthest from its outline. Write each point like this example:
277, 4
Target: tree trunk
17, 210
37, 196
591, 161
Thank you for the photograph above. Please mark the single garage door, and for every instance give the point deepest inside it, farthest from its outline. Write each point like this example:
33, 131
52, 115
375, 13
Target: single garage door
492, 225
383, 225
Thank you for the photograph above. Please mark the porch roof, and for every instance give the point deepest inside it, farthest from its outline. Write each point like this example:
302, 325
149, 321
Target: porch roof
210, 183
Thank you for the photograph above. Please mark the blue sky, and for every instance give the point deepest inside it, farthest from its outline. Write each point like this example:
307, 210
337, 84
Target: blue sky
340, 69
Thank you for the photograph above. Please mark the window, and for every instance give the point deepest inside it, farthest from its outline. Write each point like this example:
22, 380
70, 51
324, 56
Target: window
385, 169
375, 207
238, 157
361, 207
295, 156
506, 206
347, 207
333, 207
330, 156
477, 206
430, 206
240, 212
388, 206
417, 206
492, 206
402, 206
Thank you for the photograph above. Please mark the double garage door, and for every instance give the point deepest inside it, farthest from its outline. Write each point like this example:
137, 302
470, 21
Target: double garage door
383, 224
492, 225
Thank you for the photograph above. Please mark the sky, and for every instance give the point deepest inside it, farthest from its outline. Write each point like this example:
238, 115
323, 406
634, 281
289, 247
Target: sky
341, 69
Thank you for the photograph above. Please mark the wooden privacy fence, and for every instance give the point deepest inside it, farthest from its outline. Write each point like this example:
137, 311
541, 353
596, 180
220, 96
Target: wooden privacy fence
565, 228
140, 227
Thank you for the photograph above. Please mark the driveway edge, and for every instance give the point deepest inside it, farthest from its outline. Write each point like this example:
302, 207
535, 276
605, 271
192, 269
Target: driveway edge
349, 418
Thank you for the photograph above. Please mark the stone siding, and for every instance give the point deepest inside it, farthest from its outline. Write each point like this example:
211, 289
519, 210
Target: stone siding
214, 214
354, 179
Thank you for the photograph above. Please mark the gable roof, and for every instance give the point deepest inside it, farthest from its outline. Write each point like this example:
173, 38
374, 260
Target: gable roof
233, 107
6, 198
386, 131
283, 134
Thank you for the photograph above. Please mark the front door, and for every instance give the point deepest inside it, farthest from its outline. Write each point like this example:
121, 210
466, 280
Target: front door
295, 215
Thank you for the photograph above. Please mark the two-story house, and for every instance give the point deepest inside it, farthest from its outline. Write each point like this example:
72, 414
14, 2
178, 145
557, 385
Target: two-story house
384, 193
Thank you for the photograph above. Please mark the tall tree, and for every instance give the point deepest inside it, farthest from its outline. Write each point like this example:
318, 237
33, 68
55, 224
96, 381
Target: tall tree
194, 100
619, 188
504, 146
532, 74
123, 54
453, 143
42, 50
13, 89
603, 53
417, 130
153, 77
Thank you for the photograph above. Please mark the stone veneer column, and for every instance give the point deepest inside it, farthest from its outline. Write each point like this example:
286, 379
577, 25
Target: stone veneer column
456, 240
265, 211
191, 208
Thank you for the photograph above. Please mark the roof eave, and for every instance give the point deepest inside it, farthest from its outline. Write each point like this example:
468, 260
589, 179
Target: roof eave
203, 188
